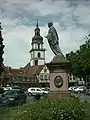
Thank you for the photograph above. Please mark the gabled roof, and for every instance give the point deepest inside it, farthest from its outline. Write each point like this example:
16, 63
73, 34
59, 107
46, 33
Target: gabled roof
27, 66
34, 70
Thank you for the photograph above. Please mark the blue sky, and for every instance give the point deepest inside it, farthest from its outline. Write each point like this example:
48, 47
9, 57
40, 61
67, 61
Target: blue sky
71, 18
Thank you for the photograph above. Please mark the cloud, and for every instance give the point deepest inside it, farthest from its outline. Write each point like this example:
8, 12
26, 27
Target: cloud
18, 17
17, 45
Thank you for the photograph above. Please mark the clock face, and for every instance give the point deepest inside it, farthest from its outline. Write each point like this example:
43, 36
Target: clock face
58, 81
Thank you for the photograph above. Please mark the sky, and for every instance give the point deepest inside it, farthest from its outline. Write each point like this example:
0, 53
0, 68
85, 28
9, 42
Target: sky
71, 18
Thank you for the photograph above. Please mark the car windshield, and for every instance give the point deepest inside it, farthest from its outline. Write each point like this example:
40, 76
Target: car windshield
10, 92
38, 90
43, 89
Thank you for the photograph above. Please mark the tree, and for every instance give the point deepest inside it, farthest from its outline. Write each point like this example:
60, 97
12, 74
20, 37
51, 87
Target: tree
80, 60
1, 52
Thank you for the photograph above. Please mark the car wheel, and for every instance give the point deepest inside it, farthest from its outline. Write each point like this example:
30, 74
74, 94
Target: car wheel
29, 93
79, 92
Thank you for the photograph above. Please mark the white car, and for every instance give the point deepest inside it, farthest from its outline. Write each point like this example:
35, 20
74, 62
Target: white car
44, 90
34, 91
7, 88
72, 88
80, 89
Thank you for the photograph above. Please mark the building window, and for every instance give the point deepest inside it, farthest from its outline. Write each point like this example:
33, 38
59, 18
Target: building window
41, 77
45, 70
45, 77
36, 62
39, 55
38, 46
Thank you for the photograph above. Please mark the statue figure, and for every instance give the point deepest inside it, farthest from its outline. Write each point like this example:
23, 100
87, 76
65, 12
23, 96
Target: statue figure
53, 39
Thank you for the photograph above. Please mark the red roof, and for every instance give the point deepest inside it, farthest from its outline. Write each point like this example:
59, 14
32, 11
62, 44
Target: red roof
17, 71
10, 72
34, 70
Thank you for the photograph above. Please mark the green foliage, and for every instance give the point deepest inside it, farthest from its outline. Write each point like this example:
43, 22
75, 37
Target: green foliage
87, 109
70, 109
80, 60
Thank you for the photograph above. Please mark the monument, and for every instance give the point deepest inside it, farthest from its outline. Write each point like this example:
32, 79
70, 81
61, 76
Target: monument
59, 67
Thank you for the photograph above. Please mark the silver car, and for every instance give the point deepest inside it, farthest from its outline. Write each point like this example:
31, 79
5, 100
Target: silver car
80, 89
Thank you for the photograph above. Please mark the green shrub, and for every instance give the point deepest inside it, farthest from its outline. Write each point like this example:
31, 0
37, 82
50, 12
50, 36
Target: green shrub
70, 109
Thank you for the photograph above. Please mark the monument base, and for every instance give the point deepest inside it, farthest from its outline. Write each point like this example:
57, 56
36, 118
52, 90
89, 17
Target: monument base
59, 71
58, 95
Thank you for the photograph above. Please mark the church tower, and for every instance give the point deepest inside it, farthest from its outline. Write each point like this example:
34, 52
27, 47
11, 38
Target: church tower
37, 51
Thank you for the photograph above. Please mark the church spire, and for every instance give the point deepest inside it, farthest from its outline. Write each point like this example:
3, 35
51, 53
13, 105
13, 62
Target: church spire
37, 51
37, 30
37, 37
37, 24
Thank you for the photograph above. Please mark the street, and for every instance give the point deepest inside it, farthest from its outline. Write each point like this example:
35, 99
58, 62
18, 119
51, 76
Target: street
83, 96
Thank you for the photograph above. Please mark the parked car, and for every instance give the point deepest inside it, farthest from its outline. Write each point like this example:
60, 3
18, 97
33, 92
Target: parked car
80, 89
1, 90
34, 91
72, 88
13, 97
44, 90
7, 88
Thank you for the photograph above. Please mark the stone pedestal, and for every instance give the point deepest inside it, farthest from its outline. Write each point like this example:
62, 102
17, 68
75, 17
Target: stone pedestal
59, 70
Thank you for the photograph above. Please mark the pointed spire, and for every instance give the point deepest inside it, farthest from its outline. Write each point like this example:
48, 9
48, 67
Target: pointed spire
37, 24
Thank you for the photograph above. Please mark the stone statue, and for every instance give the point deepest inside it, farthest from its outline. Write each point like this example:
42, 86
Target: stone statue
53, 39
